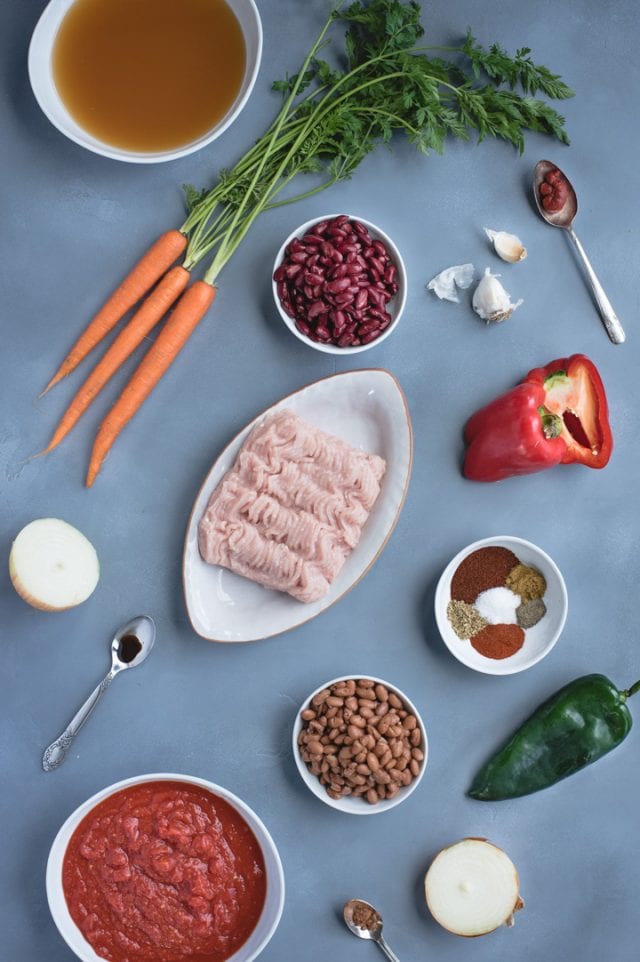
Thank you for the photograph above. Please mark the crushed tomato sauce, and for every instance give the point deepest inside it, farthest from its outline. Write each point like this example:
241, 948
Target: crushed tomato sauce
164, 871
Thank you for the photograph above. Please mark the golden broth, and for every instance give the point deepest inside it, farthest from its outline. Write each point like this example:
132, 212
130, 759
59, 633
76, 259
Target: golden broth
148, 75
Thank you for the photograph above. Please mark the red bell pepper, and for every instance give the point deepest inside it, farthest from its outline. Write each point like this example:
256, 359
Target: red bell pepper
558, 414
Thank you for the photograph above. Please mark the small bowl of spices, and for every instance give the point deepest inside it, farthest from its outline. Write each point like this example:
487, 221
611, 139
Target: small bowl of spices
501, 605
360, 744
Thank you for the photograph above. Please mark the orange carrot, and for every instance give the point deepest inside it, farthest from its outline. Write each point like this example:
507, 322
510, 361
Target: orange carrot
146, 272
190, 309
144, 320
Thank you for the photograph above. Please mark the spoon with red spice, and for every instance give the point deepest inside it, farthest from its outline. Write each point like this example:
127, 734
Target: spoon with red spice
557, 204
129, 647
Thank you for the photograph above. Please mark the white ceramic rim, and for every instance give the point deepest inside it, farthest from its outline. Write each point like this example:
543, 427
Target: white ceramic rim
398, 301
348, 805
244, 432
55, 894
443, 588
42, 43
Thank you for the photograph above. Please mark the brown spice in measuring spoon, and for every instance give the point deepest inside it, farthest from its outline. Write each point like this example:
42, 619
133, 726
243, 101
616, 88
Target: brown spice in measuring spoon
365, 917
482, 569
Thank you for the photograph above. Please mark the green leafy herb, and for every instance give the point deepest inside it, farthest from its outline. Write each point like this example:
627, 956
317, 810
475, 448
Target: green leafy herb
382, 83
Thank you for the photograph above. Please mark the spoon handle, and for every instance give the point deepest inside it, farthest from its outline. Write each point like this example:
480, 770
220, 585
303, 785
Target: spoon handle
56, 753
387, 951
609, 316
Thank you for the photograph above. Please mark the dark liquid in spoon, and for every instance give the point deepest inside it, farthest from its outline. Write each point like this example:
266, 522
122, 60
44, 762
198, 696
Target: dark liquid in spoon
128, 648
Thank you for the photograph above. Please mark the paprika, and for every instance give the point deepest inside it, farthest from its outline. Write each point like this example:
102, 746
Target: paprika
498, 641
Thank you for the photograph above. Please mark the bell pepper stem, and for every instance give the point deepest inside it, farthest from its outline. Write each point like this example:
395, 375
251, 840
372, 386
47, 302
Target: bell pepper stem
551, 423
628, 692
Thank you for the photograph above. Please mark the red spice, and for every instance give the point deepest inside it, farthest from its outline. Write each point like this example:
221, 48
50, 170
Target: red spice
554, 191
498, 641
482, 569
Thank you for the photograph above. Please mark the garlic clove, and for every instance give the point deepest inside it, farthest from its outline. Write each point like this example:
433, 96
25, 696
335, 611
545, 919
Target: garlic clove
490, 300
445, 283
507, 246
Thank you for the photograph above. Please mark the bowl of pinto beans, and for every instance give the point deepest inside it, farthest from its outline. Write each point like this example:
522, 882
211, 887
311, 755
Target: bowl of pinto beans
340, 284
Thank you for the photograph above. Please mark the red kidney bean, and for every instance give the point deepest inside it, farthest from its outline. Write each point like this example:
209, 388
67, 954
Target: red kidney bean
361, 299
336, 281
343, 299
339, 285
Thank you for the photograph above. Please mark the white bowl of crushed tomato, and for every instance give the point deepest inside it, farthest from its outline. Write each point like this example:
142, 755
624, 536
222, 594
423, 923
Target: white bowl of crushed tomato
164, 867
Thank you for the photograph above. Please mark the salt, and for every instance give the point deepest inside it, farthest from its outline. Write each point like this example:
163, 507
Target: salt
498, 606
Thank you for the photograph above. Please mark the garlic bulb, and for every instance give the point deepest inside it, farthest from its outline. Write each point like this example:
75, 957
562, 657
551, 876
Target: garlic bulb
507, 246
444, 284
490, 300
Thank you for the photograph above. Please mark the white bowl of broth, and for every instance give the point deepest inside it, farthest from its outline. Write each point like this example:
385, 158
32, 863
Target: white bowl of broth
145, 81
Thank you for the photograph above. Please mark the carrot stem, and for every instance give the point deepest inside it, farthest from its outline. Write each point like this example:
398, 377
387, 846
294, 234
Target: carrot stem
141, 279
188, 312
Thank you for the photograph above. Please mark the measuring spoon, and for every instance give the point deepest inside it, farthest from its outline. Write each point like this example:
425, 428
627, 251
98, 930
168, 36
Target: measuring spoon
374, 931
564, 218
130, 646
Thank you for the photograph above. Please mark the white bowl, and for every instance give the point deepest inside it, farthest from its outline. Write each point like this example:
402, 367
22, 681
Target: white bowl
539, 640
365, 408
44, 88
274, 903
358, 806
395, 305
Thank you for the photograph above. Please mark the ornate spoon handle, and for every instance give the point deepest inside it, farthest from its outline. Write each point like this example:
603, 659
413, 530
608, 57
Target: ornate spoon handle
56, 753
607, 313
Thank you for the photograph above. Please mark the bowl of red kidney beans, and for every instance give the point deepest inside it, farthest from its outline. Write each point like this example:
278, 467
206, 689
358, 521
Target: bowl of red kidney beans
340, 284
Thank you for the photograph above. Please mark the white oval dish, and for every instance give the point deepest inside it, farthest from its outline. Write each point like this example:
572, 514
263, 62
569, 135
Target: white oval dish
539, 640
45, 91
366, 408
274, 903
358, 806
395, 306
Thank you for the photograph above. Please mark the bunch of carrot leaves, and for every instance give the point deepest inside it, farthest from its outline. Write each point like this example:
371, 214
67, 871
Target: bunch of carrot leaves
333, 116
382, 82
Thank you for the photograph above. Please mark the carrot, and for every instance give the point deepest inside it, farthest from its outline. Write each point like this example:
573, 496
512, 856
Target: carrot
190, 309
146, 272
144, 320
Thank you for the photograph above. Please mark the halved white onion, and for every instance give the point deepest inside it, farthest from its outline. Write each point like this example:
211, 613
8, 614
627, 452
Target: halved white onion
471, 888
52, 565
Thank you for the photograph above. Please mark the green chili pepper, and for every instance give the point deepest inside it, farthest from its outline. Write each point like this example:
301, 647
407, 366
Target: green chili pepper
573, 728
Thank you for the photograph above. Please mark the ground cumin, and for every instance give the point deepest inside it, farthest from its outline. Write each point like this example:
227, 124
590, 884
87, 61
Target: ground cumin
365, 916
482, 569
527, 582
498, 641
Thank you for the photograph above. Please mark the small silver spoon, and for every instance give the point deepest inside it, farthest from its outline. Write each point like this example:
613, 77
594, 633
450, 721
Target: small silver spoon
130, 646
564, 218
373, 932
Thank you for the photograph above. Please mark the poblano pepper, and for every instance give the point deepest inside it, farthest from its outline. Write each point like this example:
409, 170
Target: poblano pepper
573, 728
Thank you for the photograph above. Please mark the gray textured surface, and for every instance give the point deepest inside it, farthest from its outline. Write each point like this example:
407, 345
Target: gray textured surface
71, 222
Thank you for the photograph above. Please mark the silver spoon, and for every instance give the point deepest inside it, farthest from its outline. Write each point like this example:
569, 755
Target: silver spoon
374, 929
130, 646
564, 218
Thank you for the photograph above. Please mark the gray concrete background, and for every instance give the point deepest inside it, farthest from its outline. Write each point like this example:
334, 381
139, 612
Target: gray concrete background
71, 224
